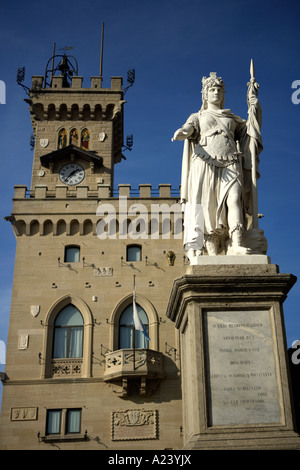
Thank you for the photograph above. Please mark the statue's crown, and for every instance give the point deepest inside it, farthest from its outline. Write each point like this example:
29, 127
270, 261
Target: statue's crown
211, 81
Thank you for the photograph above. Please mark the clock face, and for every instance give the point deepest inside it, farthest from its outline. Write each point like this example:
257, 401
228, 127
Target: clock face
71, 174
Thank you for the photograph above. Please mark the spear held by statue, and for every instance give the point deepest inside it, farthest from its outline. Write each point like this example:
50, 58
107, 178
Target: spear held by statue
255, 143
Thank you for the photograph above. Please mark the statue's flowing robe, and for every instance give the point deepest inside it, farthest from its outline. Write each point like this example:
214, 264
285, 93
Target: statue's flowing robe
210, 167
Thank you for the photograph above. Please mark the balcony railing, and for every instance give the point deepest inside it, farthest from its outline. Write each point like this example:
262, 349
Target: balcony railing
66, 367
125, 364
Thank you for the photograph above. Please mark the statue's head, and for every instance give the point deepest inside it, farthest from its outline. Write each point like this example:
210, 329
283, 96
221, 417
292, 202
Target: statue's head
211, 82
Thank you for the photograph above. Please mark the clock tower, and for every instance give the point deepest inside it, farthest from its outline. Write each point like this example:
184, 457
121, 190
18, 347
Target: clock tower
78, 131
77, 374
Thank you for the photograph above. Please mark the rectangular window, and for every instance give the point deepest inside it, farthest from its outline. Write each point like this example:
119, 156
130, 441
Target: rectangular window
72, 254
64, 421
134, 253
68, 342
53, 421
73, 421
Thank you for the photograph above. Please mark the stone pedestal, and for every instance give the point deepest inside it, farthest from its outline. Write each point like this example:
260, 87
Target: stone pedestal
235, 380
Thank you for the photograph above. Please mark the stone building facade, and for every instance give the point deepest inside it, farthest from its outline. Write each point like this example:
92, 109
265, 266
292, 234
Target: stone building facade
74, 377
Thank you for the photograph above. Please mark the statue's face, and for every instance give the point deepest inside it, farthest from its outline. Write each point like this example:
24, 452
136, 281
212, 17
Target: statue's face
215, 95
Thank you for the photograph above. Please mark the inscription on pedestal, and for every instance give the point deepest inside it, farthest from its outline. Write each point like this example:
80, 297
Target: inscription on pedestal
241, 373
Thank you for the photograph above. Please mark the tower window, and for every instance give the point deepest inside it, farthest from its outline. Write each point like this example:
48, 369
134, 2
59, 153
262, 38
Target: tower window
134, 253
85, 139
68, 333
74, 137
72, 254
62, 139
126, 329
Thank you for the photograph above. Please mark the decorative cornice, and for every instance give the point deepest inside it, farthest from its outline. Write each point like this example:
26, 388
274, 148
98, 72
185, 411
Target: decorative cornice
242, 286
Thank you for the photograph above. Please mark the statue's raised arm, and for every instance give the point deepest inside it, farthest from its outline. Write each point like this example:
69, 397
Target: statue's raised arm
216, 173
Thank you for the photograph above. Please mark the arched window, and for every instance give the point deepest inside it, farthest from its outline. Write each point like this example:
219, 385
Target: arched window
85, 139
134, 253
62, 139
74, 137
126, 329
72, 254
68, 333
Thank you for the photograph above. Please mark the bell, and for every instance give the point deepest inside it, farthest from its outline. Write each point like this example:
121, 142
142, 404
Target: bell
63, 65
65, 71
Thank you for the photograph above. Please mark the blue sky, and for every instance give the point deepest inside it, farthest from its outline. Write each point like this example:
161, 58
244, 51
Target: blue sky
171, 44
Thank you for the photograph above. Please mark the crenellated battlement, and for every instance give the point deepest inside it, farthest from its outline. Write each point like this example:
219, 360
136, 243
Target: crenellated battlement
75, 103
145, 191
68, 212
76, 84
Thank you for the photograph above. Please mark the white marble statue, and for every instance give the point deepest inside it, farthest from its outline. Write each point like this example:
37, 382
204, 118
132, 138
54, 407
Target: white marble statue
220, 150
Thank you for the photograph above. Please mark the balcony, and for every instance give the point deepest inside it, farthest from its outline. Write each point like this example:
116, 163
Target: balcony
66, 367
129, 369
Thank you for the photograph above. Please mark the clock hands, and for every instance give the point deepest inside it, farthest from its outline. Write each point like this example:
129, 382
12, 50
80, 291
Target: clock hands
72, 173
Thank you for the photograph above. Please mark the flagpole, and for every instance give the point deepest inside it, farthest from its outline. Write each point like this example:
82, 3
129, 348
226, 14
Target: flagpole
133, 339
101, 54
137, 323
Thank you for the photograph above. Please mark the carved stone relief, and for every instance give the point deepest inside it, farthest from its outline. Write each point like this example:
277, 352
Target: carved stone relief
44, 142
101, 136
23, 341
101, 272
134, 424
23, 414
34, 310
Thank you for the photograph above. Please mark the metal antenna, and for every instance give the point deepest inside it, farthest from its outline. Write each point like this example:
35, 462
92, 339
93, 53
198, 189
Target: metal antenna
101, 56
